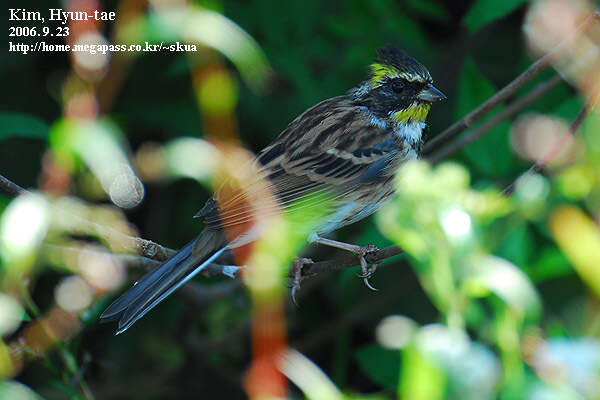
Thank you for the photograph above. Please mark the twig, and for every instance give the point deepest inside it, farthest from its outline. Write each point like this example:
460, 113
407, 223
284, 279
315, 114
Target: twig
143, 247
132, 260
349, 260
10, 187
507, 91
195, 293
559, 145
490, 124
129, 260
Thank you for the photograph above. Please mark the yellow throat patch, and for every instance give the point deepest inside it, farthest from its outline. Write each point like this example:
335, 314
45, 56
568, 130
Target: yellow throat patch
417, 112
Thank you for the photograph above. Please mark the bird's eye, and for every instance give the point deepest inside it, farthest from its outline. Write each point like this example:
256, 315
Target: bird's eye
397, 87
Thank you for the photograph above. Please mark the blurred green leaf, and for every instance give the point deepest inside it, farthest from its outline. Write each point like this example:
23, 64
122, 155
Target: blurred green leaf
569, 108
365, 397
578, 237
313, 382
429, 9
591, 127
17, 391
62, 387
422, 377
551, 264
381, 365
205, 27
517, 245
485, 11
495, 275
25, 125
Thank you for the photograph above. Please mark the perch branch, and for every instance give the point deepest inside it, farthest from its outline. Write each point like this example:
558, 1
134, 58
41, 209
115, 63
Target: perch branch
349, 260
151, 253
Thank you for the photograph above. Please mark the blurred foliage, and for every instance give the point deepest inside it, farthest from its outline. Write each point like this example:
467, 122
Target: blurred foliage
22, 125
495, 296
485, 11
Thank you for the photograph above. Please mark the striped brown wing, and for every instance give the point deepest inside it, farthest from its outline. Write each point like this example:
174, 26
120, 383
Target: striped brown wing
322, 155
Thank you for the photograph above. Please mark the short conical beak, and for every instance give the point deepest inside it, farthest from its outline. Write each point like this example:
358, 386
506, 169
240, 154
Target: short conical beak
431, 94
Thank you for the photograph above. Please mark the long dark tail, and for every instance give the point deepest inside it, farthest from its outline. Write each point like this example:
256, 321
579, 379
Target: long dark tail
155, 286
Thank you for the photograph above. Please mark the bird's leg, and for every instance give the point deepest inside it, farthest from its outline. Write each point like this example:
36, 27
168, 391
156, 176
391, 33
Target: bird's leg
297, 266
360, 251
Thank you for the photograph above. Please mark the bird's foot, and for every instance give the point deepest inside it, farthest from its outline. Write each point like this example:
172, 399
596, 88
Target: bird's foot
366, 271
361, 251
298, 264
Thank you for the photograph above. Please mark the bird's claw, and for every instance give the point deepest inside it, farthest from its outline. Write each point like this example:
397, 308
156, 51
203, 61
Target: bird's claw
368, 284
367, 272
297, 266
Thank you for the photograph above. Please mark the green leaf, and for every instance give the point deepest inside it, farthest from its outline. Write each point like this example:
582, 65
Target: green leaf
485, 11
495, 275
518, 245
429, 9
551, 264
381, 365
491, 154
25, 125
569, 108
16, 390
422, 377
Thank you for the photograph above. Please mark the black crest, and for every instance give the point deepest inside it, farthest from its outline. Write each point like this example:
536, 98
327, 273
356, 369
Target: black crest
405, 64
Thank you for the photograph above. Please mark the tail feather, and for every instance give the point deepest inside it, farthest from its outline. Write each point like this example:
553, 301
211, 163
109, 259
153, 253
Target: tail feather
119, 306
164, 280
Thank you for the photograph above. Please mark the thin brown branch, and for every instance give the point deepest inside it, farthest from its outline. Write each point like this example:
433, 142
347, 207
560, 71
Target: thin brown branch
193, 292
10, 187
128, 260
503, 94
538, 166
349, 260
490, 124
339, 263
143, 247
151, 253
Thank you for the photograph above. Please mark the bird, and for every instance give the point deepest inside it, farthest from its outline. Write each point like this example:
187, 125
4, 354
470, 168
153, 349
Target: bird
339, 156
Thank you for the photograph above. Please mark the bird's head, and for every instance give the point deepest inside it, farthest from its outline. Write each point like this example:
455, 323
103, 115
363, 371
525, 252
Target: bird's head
399, 88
